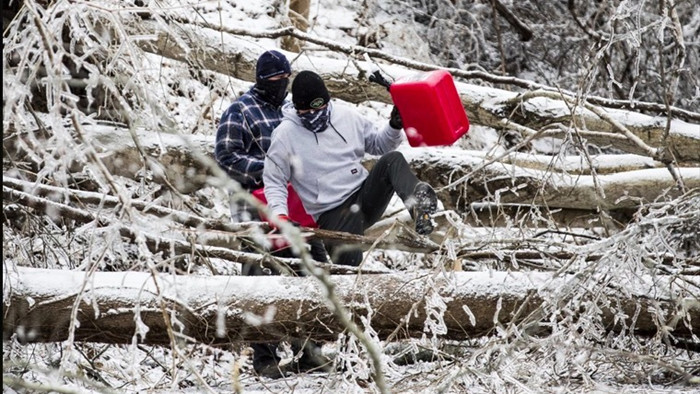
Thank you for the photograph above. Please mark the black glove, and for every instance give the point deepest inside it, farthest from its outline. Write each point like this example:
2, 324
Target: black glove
395, 119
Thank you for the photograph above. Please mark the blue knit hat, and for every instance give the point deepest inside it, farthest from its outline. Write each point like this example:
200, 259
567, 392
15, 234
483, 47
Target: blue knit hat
271, 63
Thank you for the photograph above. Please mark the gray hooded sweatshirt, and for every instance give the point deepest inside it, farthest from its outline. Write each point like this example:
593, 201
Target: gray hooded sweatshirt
326, 168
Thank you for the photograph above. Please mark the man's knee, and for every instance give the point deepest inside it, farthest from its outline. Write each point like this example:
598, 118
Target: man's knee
392, 157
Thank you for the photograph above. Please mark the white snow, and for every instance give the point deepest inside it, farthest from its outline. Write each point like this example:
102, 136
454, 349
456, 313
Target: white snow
526, 366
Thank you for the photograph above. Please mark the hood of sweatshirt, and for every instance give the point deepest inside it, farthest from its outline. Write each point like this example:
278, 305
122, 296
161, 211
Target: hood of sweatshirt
290, 113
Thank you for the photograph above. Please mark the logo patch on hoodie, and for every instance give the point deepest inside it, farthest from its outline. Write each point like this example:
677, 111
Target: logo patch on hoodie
353, 171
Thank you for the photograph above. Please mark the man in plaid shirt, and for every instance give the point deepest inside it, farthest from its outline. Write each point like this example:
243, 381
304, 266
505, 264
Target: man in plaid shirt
246, 127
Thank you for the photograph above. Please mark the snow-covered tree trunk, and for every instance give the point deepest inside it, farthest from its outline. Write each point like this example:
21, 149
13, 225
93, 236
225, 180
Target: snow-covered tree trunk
185, 163
114, 307
485, 106
299, 17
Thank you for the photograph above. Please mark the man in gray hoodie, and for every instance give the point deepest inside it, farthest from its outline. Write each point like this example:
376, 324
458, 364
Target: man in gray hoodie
319, 147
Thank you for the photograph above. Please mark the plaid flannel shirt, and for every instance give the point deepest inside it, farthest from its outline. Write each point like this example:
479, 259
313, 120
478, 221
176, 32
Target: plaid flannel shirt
244, 136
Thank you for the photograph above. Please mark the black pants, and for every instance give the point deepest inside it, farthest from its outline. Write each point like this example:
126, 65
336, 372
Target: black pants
366, 206
266, 353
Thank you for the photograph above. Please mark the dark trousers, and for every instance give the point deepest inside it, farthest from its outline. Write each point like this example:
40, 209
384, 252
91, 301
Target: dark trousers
266, 353
366, 206
263, 353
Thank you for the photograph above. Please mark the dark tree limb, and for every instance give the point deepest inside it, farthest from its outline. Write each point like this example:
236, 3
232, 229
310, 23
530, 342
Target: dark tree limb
204, 242
523, 30
571, 5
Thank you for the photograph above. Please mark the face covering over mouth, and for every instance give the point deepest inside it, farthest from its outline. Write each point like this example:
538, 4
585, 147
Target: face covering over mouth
273, 91
316, 121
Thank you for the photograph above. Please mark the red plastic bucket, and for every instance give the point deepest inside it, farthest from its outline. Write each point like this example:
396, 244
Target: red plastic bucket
430, 108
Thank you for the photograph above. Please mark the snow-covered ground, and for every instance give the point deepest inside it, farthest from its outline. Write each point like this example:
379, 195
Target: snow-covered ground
562, 362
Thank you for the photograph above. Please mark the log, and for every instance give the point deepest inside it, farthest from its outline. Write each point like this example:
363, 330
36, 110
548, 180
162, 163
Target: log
462, 179
121, 307
179, 160
574, 165
347, 80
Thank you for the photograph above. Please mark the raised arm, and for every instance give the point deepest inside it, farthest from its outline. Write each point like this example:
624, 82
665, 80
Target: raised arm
381, 141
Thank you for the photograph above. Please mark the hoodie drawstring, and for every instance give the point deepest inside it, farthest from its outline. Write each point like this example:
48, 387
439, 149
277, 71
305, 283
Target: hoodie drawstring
337, 132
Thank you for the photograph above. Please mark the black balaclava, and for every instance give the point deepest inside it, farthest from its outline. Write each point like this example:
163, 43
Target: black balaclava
270, 64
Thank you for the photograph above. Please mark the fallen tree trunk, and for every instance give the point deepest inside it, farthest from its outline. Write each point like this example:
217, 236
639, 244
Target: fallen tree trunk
462, 179
121, 307
220, 232
491, 215
574, 165
347, 80
176, 157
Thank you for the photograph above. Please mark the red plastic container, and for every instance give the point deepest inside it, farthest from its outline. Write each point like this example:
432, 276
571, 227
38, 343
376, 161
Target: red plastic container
297, 213
430, 108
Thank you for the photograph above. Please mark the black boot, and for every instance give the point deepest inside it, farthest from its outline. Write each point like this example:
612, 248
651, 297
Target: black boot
266, 362
318, 251
312, 359
425, 205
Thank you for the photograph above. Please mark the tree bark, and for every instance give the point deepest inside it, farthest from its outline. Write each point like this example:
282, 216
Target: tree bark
114, 307
299, 17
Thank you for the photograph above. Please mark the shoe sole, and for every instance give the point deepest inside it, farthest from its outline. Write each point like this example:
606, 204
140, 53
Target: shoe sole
427, 205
